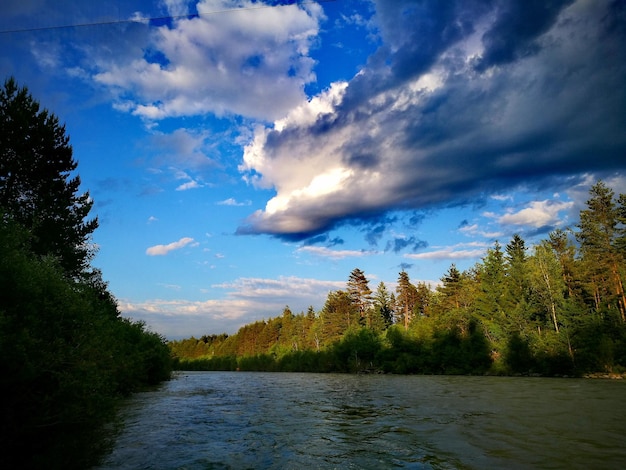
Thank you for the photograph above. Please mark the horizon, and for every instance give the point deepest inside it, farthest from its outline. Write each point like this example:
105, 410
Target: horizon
244, 157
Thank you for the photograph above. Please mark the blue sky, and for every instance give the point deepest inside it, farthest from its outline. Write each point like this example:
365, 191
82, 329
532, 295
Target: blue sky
245, 156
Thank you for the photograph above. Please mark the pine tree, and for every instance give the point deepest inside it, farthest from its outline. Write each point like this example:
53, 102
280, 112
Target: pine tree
492, 295
360, 295
383, 308
565, 253
450, 289
337, 316
423, 300
405, 300
36, 187
598, 232
516, 268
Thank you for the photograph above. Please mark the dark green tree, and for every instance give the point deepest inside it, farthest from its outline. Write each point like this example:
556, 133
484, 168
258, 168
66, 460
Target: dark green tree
492, 296
37, 188
383, 307
516, 298
405, 300
360, 295
516, 268
337, 316
566, 254
620, 242
450, 289
423, 300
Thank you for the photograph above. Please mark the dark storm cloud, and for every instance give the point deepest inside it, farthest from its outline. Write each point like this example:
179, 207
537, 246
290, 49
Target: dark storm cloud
508, 94
514, 32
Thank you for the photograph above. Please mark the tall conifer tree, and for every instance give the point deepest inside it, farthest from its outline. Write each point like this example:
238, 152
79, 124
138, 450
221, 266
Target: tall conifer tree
598, 233
37, 189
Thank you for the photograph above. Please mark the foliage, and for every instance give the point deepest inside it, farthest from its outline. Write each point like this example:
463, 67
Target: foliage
65, 353
36, 187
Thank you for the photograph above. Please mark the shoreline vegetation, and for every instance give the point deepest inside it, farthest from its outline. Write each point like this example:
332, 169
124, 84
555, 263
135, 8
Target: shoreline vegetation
66, 354
556, 309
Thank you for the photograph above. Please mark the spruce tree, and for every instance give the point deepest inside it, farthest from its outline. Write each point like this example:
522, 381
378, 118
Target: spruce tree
405, 300
598, 233
37, 189
361, 295
383, 306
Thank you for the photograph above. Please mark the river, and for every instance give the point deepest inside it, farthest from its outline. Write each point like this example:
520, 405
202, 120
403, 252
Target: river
240, 420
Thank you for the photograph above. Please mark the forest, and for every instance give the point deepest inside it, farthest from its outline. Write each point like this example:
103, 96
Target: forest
557, 308
66, 354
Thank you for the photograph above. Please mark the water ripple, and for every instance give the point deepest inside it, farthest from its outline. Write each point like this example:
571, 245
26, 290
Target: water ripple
291, 421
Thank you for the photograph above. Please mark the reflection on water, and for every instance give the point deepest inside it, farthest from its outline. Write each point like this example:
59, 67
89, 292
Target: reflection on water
219, 420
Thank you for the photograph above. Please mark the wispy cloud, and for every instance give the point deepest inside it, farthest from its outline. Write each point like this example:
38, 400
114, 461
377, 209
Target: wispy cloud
455, 252
474, 229
160, 250
188, 185
332, 254
233, 202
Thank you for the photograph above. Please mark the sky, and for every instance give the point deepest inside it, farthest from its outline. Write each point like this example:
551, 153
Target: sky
244, 156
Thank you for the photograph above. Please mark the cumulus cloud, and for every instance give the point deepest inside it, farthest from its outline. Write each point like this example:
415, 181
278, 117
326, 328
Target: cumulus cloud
463, 99
233, 58
537, 214
160, 250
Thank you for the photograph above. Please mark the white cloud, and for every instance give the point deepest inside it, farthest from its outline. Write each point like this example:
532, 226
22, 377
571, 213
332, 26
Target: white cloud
537, 214
250, 61
458, 251
188, 185
332, 254
247, 300
474, 229
233, 202
160, 250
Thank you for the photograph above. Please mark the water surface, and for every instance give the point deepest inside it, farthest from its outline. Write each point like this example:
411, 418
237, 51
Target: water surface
238, 420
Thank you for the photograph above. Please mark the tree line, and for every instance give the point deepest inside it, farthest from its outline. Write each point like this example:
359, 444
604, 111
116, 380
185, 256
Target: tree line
555, 308
66, 354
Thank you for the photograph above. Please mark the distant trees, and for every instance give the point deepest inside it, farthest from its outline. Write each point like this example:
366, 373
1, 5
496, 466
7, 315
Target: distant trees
551, 308
65, 353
